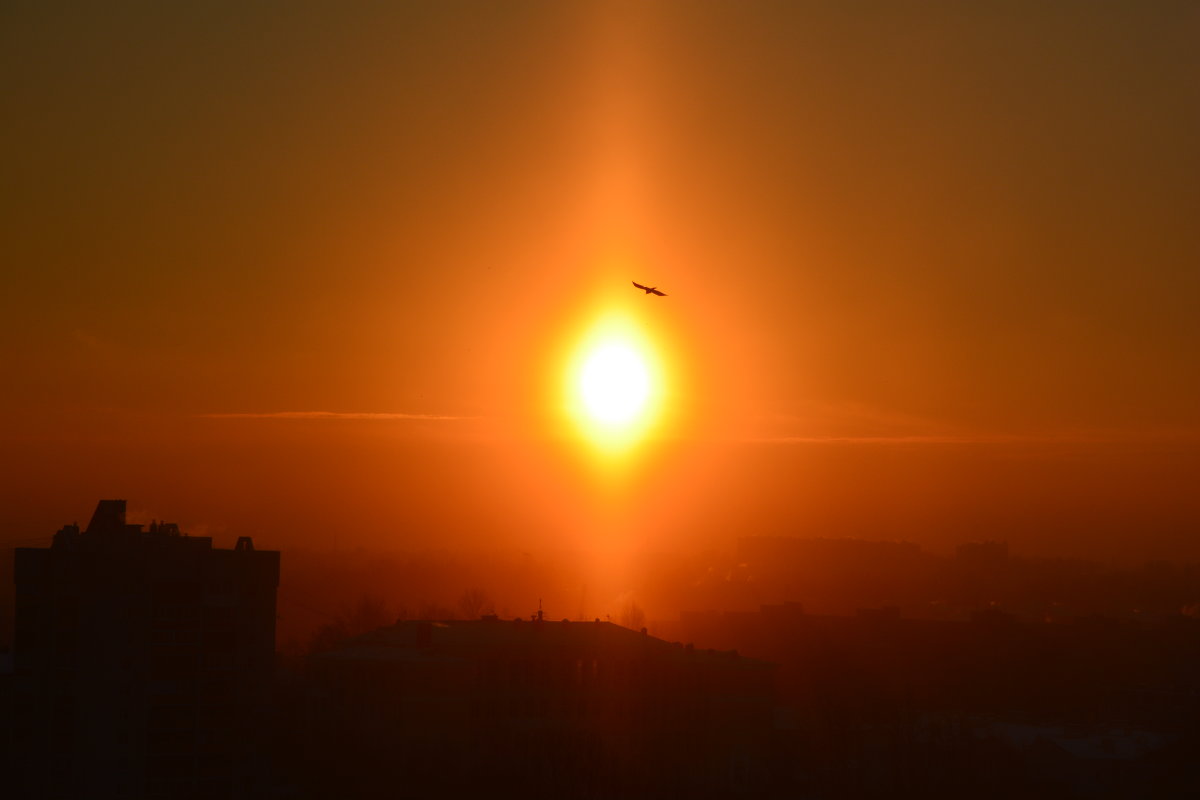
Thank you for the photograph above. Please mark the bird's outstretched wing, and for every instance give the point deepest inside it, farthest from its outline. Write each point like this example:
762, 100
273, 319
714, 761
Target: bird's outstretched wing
649, 289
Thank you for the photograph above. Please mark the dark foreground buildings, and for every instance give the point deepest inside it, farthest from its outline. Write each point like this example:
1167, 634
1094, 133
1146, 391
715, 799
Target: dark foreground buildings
535, 708
144, 667
881, 705
143, 662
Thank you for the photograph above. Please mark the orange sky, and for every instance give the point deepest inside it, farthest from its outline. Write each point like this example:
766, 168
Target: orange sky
932, 270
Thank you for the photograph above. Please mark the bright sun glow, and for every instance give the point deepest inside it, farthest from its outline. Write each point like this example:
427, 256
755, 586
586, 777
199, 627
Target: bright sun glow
614, 383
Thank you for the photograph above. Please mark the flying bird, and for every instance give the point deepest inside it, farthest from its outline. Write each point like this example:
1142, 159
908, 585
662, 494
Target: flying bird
649, 289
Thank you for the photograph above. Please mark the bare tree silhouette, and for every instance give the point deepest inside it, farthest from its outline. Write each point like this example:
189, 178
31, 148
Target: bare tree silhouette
475, 602
369, 613
632, 616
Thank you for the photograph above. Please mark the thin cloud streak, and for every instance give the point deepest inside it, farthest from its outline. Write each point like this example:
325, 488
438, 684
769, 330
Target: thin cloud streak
361, 415
1081, 437
857, 424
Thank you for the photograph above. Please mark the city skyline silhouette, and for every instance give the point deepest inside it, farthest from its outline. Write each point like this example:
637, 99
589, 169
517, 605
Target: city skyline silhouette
898, 418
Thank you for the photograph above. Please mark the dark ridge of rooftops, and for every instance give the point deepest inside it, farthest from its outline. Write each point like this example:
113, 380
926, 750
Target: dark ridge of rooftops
426, 639
108, 529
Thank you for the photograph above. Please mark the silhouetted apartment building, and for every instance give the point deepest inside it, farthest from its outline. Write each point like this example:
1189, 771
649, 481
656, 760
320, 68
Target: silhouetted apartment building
143, 661
586, 709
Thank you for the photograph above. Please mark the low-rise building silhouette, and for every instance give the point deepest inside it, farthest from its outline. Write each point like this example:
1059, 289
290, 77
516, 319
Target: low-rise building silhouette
585, 708
143, 661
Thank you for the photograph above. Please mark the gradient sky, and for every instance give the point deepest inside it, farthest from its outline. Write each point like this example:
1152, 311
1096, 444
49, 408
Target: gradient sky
933, 269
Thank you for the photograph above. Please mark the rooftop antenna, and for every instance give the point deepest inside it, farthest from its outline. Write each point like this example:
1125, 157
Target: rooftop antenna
539, 609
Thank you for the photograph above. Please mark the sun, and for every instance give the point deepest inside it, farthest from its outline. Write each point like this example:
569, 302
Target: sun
614, 384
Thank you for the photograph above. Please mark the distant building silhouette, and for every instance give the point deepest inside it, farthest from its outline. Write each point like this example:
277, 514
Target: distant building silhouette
551, 708
769, 554
143, 661
829, 575
982, 555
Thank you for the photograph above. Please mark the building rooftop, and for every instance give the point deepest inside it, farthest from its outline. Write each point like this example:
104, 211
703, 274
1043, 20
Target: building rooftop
490, 637
108, 530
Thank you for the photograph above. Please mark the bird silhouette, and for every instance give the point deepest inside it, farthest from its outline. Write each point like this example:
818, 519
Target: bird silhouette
649, 289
